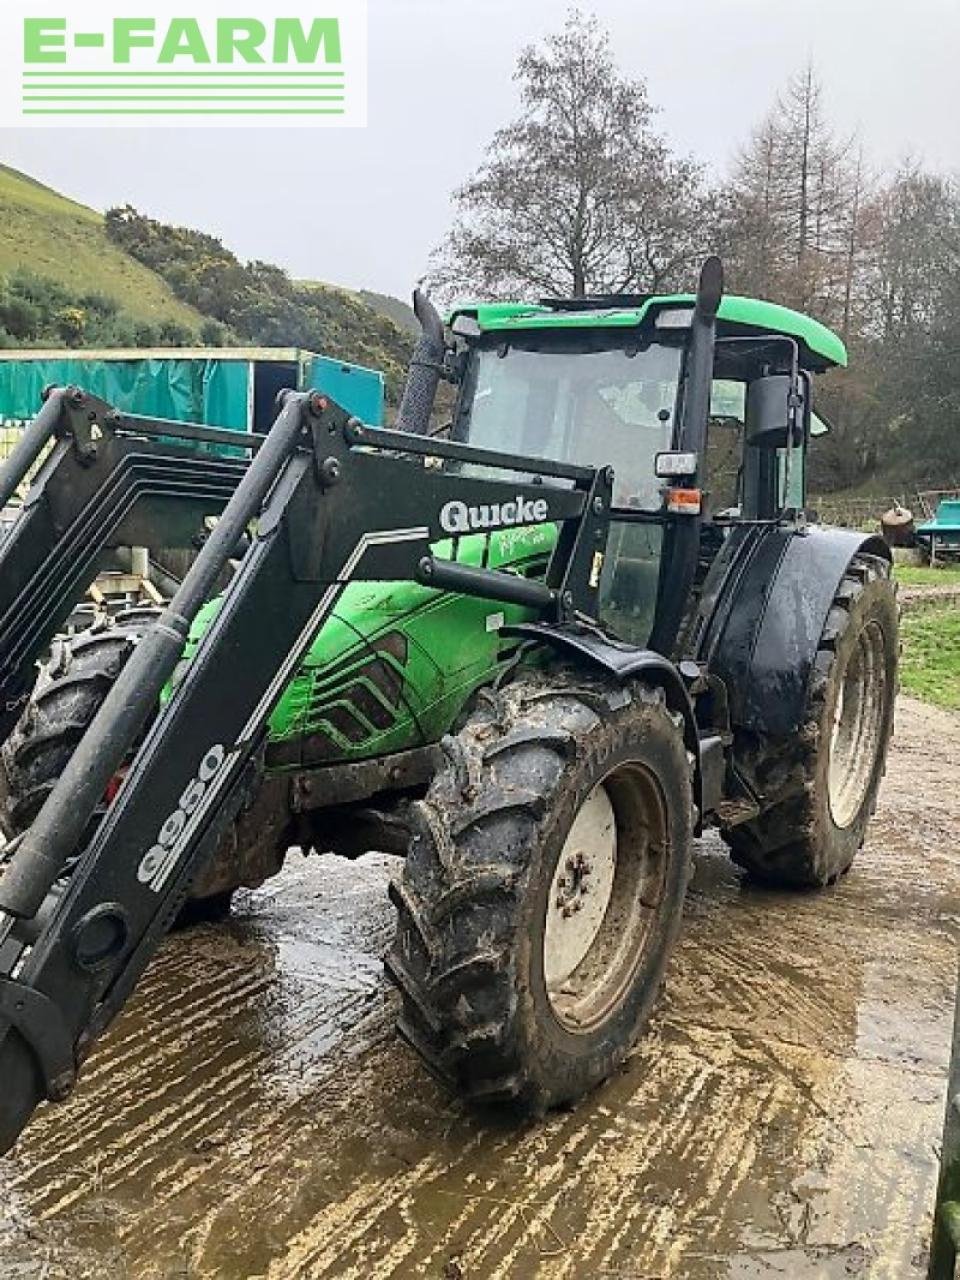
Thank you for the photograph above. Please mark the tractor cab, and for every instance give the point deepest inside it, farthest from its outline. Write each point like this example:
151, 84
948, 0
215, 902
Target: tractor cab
697, 446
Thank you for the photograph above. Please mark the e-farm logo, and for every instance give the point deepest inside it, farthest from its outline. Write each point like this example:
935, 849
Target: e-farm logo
106, 62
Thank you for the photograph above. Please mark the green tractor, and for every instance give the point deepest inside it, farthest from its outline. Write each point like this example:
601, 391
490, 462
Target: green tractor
536, 651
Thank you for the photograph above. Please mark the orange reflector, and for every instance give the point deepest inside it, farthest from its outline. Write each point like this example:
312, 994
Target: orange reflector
685, 502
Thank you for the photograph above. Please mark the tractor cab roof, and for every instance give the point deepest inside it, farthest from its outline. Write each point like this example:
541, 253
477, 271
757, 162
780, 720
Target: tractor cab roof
819, 347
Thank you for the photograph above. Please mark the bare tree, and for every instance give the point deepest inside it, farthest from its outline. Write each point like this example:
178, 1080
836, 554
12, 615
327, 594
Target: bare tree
915, 241
756, 233
854, 240
578, 194
787, 208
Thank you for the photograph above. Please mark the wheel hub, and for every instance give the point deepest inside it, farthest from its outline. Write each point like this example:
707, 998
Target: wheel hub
572, 885
580, 892
604, 897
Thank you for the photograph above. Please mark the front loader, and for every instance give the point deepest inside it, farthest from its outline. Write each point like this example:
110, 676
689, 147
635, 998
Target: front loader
537, 654
106, 482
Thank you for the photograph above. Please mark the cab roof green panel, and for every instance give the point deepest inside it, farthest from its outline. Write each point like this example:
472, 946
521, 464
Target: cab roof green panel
737, 315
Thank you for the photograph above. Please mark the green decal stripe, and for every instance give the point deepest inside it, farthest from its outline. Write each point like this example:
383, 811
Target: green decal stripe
147, 74
182, 111
188, 97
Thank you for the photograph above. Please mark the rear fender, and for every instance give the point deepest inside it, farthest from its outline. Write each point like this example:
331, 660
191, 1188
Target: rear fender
623, 662
767, 621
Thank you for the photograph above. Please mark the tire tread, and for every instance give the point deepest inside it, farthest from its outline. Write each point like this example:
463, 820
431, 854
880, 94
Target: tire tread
453, 959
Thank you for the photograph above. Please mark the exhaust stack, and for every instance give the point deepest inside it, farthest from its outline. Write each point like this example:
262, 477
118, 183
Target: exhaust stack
426, 369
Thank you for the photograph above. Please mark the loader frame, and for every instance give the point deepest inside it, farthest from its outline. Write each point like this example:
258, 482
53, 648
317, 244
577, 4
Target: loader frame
108, 481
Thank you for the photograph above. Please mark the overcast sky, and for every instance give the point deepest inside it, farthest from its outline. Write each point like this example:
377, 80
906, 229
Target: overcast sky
364, 207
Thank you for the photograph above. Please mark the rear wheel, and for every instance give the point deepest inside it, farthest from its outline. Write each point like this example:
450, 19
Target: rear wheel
543, 889
821, 784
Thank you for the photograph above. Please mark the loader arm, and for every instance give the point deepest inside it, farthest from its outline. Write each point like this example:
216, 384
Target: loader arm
109, 480
333, 502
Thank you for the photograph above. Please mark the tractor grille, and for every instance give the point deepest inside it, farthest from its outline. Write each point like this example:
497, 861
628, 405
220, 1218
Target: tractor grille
356, 700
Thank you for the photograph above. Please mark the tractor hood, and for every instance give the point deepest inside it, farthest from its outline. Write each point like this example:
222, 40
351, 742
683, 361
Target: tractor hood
396, 661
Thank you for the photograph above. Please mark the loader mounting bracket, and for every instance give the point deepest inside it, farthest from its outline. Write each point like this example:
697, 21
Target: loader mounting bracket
39, 1022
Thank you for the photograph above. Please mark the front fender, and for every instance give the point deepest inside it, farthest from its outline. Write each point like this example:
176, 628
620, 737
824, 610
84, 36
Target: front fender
623, 662
769, 616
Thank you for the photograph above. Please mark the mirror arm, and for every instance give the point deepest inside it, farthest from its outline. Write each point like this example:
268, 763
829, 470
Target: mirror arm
793, 408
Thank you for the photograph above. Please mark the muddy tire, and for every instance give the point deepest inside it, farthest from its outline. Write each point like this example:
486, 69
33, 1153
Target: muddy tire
69, 692
552, 795
822, 782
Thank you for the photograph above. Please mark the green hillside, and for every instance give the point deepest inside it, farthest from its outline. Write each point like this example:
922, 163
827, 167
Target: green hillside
72, 277
259, 302
48, 235
401, 313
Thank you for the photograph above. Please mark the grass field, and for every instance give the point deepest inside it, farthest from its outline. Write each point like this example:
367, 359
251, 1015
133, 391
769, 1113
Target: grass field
930, 639
52, 236
923, 576
930, 659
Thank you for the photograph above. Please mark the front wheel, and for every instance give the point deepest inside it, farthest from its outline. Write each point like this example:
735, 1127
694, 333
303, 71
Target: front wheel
543, 889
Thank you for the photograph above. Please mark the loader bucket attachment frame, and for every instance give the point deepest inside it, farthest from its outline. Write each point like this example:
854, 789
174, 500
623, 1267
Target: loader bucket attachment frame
333, 502
109, 480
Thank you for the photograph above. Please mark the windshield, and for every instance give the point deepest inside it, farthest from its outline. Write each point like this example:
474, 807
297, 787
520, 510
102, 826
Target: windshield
596, 408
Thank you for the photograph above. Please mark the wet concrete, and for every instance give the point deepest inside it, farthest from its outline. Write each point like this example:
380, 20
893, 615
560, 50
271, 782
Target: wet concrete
252, 1115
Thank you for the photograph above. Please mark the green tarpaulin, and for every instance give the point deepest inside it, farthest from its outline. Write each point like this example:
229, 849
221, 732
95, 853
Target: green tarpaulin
188, 390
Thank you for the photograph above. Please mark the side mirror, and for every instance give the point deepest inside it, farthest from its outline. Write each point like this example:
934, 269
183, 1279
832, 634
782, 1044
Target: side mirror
772, 403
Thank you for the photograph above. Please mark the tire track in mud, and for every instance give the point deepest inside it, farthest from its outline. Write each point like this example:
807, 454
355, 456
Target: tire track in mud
155, 1093
175, 1080
250, 1115
138, 1095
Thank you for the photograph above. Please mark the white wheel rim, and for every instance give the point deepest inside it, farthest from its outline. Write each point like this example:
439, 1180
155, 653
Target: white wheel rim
856, 735
581, 888
605, 898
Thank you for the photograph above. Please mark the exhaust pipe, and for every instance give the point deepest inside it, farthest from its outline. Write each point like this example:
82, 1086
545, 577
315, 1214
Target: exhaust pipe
426, 369
681, 552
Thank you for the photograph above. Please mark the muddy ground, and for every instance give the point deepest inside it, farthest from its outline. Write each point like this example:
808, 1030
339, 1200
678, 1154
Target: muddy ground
252, 1115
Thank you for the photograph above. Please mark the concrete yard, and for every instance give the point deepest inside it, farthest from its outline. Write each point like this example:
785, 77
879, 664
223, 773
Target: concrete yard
251, 1114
